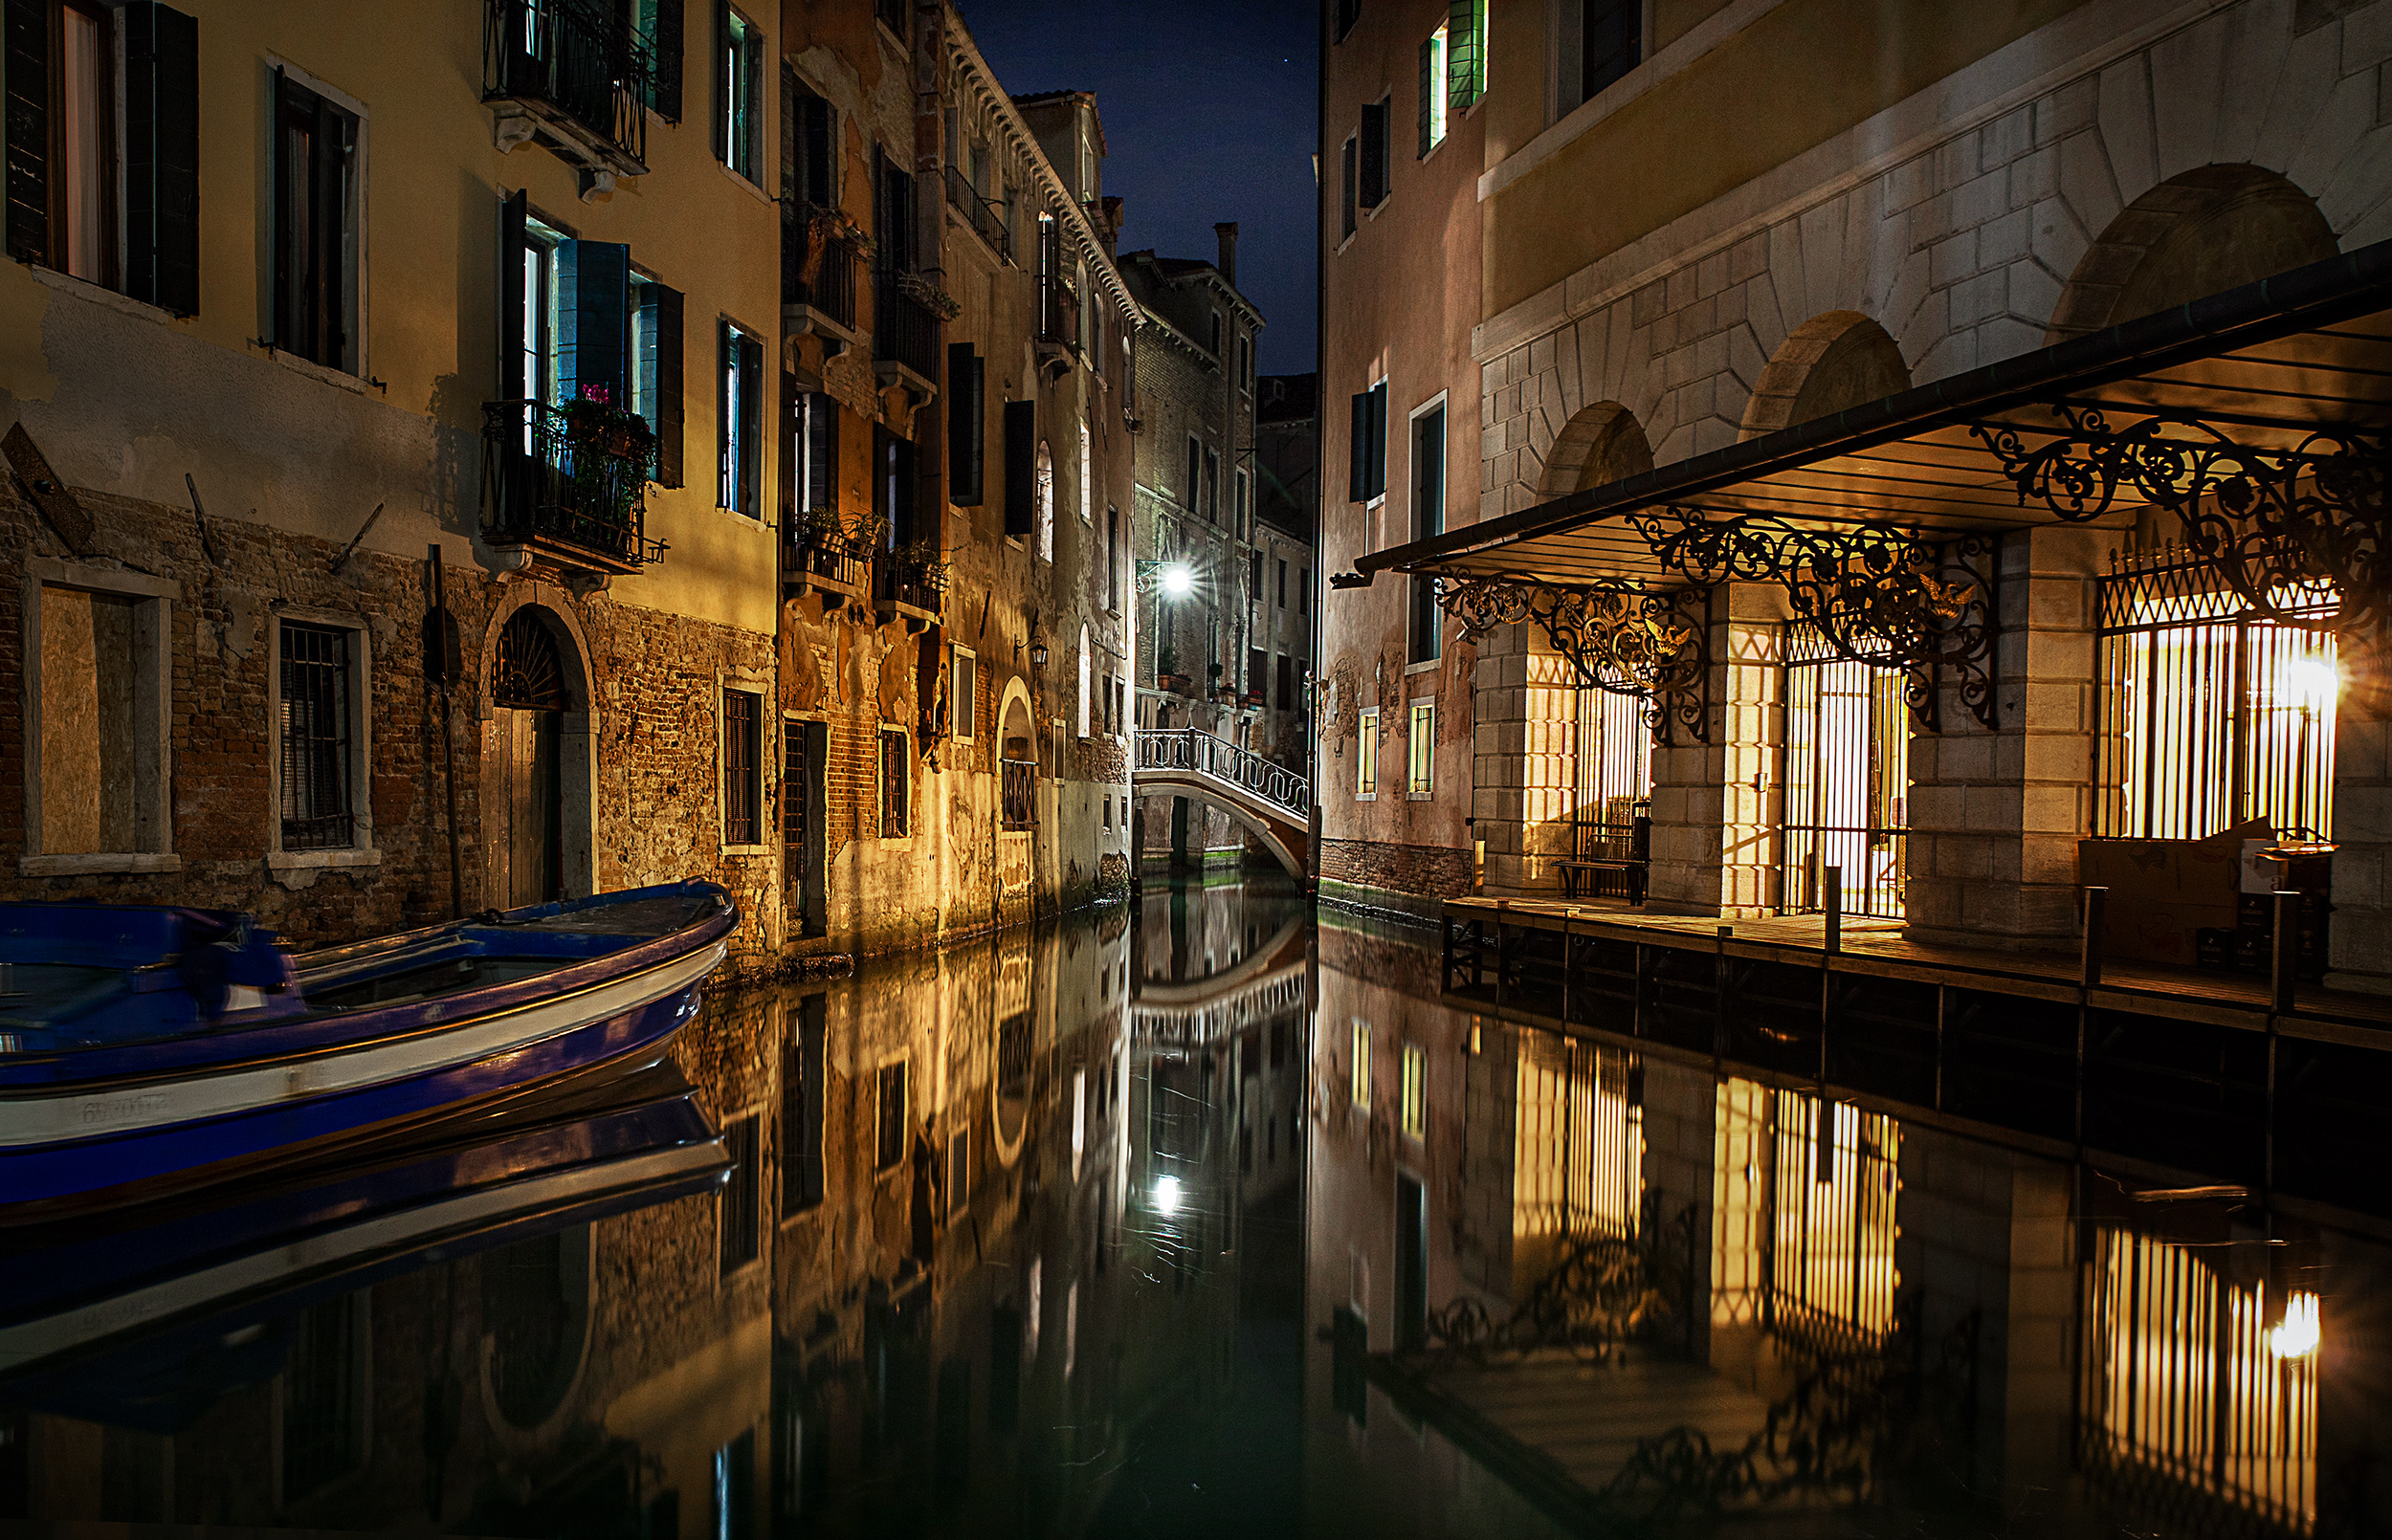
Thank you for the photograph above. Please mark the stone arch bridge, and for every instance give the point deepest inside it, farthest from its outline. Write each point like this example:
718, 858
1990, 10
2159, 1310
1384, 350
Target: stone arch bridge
1271, 801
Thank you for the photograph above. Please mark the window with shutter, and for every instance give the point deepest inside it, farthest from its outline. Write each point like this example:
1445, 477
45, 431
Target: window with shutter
817, 446
1466, 53
660, 324
25, 55
740, 404
162, 157
1348, 13
1611, 43
661, 20
1021, 466
1212, 485
967, 425
813, 172
593, 320
739, 83
1428, 630
1195, 475
1432, 95
1374, 166
1367, 450
315, 226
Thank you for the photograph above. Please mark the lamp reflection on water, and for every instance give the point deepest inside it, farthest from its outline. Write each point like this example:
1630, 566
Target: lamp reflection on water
1167, 1196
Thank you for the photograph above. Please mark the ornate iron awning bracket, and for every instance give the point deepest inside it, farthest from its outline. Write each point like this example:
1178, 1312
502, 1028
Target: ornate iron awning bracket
1878, 595
1654, 646
2280, 525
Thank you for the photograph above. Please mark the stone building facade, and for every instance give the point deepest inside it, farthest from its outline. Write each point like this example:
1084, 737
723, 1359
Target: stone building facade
774, 601
1204, 659
953, 629
2009, 180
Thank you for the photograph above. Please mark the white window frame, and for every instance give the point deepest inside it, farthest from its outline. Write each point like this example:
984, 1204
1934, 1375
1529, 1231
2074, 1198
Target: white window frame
362, 851
361, 227
153, 716
1087, 461
1367, 756
1440, 86
962, 693
1417, 759
1087, 681
756, 54
765, 820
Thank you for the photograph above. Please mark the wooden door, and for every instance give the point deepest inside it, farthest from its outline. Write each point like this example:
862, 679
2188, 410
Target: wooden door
534, 807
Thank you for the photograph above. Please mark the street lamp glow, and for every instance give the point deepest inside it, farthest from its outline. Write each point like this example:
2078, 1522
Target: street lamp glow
1178, 580
1167, 1196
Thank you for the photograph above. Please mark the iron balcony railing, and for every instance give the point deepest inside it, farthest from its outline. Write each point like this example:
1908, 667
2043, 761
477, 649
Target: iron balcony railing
818, 270
826, 553
1190, 748
576, 476
985, 214
579, 58
904, 329
1058, 311
909, 579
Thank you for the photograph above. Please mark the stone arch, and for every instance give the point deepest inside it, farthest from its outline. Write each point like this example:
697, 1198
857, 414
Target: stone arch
1014, 719
1600, 444
2210, 229
576, 746
1836, 359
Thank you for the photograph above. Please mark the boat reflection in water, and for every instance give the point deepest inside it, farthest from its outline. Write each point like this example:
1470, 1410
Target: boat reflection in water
1196, 1216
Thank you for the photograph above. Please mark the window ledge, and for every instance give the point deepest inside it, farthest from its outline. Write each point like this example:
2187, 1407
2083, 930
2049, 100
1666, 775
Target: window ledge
98, 294
1419, 795
747, 850
1365, 796
314, 371
1425, 665
85, 865
747, 184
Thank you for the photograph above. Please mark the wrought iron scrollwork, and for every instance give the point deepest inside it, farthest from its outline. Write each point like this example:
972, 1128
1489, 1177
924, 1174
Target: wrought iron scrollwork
1880, 596
1655, 646
2279, 525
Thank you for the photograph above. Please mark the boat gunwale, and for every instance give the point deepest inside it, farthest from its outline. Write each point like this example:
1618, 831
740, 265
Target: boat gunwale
577, 979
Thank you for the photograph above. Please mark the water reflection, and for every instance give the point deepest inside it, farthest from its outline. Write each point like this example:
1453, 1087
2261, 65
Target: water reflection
1203, 1217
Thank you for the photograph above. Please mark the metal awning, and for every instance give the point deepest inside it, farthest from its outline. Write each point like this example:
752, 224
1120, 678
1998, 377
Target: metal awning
2279, 383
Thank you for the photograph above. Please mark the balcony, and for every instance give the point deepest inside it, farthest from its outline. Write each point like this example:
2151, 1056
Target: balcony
912, 585
818, 268
984, 215
904, 339
569, 73
568, 485
1058, 323
821, 555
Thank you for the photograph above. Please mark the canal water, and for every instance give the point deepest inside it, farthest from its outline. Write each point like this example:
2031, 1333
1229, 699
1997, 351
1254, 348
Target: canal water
1206, 1216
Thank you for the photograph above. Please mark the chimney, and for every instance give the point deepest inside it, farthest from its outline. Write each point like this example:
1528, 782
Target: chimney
1227, 230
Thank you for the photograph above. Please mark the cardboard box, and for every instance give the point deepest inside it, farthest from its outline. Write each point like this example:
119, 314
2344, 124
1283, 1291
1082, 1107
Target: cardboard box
2164, 893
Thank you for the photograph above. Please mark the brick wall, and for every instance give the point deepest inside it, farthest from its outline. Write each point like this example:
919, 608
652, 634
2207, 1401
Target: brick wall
1419, 871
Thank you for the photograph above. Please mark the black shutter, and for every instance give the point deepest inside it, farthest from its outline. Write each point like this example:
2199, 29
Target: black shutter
1357, 450
1374, 154
512, 385
1611, 44
666, 93
670, 384
594, 304
162, 157
1379, 439
817, 136
821, 427
719, 110
1350, 188
966, 423
1021, 465
1427, 86
25, 61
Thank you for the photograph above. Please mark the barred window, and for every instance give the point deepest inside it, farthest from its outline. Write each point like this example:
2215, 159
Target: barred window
2211, 714
1847, 778
1420, 749
743, 786
317, 814
895, 783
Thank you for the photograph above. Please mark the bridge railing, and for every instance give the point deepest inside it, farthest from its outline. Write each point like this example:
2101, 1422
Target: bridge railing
1190, 748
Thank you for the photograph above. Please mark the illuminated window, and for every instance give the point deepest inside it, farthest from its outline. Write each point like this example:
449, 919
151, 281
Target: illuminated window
2210, 715
1432, 96
1367, 756
1361, 1062
1579, 1143
1420, 748
1847, 778
1415, 1092
1804, 1227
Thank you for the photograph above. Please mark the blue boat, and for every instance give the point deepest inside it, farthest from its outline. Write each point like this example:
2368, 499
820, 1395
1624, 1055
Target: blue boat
146, 1315
153, 1049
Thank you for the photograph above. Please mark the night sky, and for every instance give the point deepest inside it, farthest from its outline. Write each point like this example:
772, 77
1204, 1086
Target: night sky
1208, 109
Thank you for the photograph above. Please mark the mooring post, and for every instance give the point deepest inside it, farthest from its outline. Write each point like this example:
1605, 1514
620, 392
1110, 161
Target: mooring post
2286, 958
1719, 999
2096, 904
1832, 885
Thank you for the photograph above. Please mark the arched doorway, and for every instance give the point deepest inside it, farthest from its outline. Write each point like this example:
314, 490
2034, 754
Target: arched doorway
536, 787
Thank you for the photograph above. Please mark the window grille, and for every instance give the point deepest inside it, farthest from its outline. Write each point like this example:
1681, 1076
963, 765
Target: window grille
2195, 1382
742, 784
528, 675
316, 810
1019, 782
1802, 1243
2209, 714
895, 782
1614, 775
1847, 778
794, 777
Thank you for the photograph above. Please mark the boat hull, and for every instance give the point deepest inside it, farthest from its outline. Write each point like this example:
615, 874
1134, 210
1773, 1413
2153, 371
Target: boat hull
186, 1129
